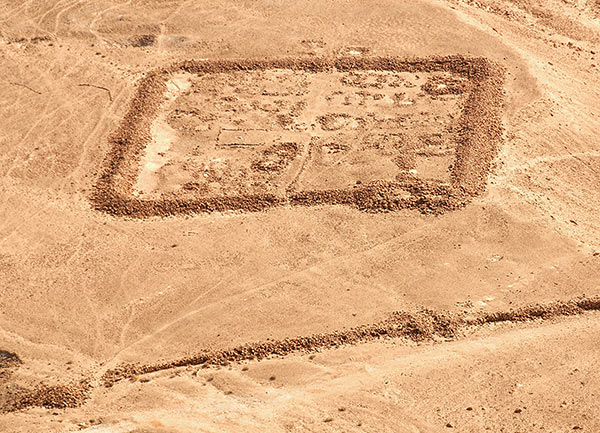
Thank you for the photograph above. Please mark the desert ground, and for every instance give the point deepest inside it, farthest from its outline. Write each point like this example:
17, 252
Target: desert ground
310, 216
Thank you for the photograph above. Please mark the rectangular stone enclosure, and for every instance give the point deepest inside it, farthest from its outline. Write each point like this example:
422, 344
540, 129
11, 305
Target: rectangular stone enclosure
380, 134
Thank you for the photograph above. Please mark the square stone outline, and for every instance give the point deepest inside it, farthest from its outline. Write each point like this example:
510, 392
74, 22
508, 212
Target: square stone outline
480, 135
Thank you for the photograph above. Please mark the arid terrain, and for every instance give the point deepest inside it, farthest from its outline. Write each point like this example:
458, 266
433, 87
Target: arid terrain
311, 216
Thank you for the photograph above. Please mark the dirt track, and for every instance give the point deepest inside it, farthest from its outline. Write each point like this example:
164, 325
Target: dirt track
314, 170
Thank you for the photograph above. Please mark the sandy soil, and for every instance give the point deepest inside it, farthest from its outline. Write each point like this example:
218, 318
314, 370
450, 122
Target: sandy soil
342, 246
